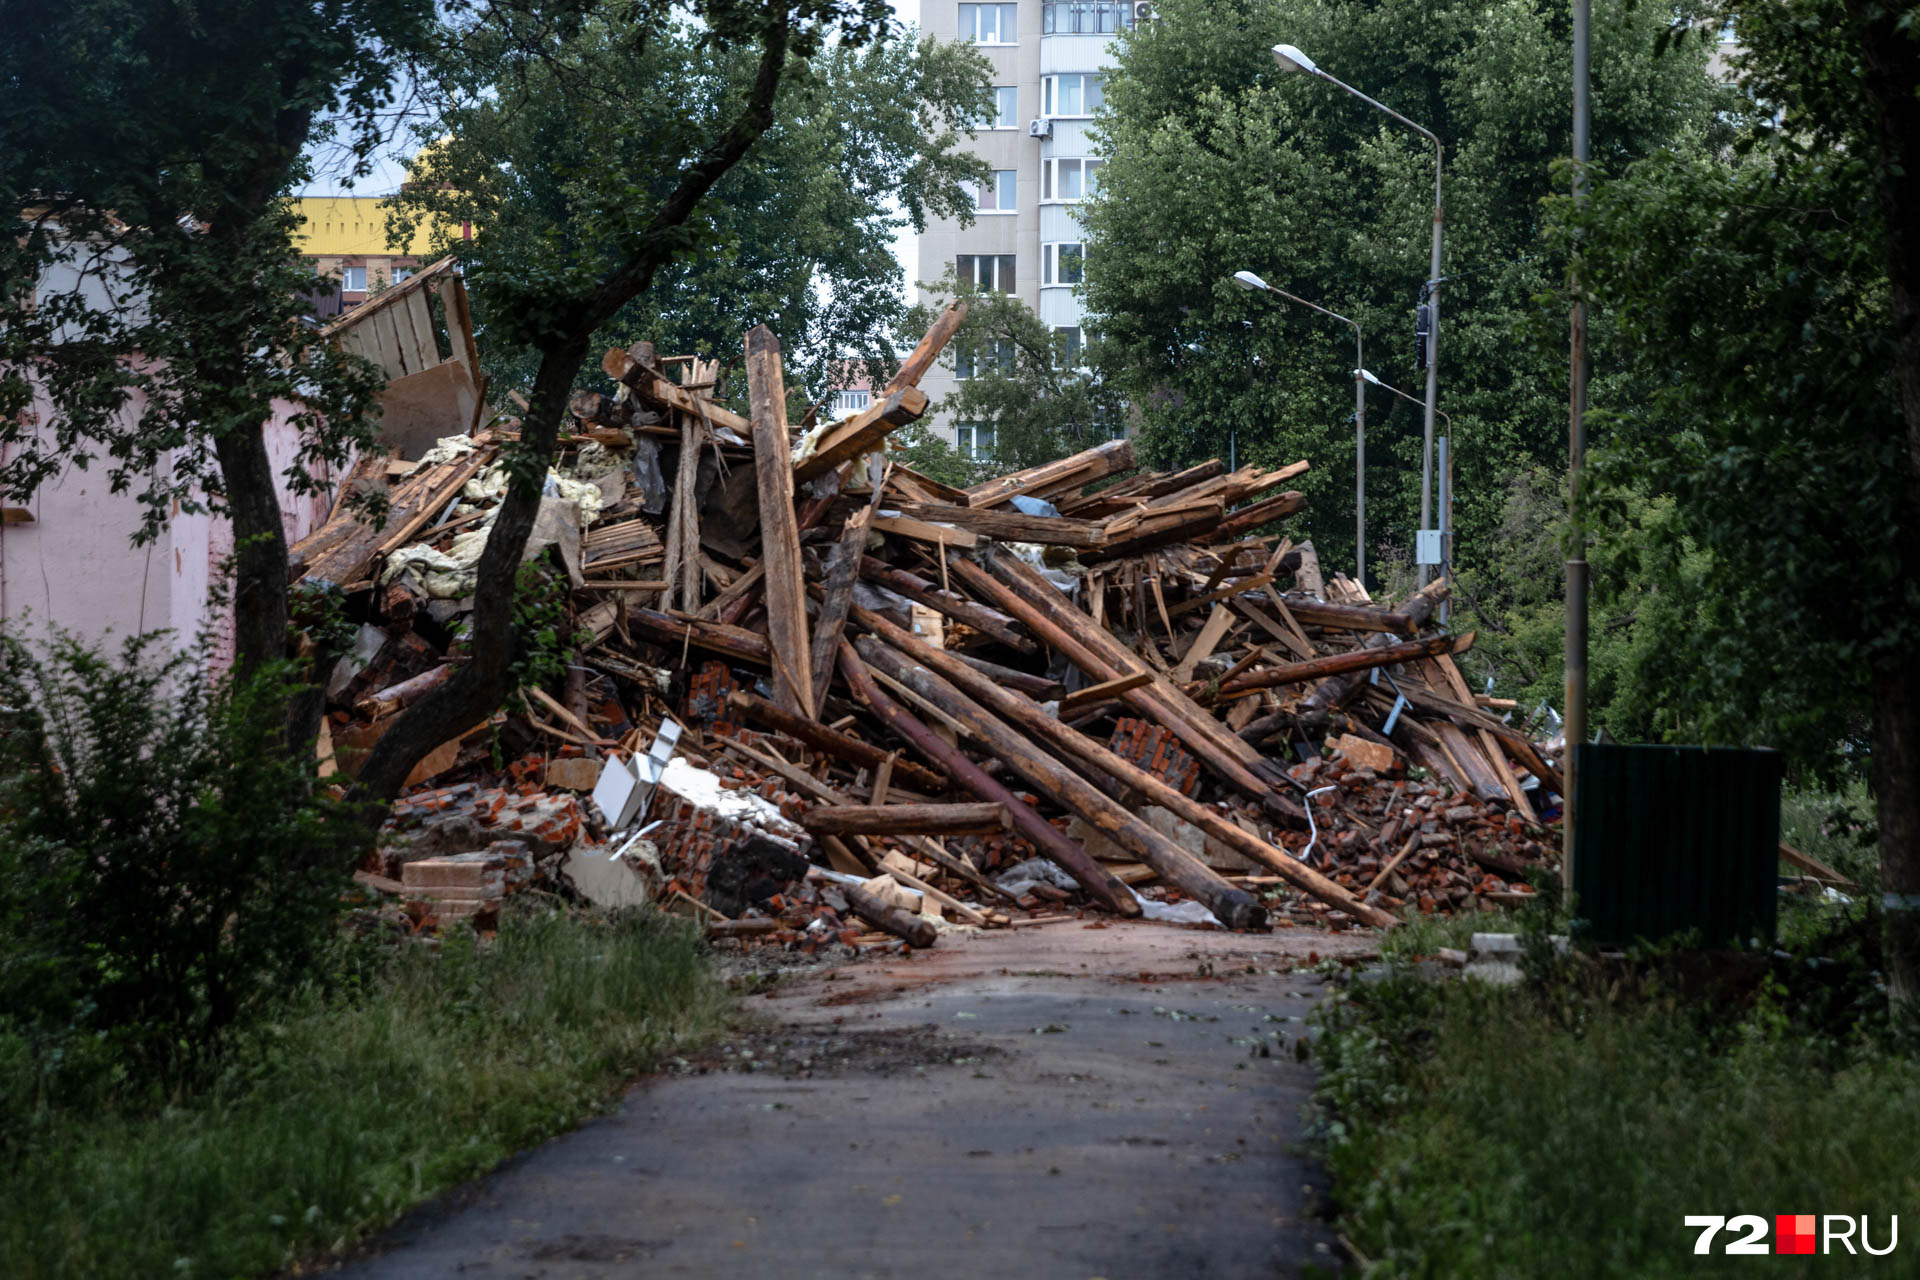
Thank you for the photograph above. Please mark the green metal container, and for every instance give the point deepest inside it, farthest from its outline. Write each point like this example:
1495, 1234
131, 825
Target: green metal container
1670, 839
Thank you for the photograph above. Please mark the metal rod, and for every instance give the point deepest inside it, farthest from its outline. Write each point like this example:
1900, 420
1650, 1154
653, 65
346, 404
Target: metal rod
1359, 463
1576, 657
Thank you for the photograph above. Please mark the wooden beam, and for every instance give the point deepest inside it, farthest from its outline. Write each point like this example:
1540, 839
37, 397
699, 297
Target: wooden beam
861, 433
648, 384
840, 746
1364, 658
1046, 838
905, 819
1082, 468
931, 345
1010, 526
838, 594
786, 589
1235, 908
1079, 700
908, 527
1027, 720
920, 591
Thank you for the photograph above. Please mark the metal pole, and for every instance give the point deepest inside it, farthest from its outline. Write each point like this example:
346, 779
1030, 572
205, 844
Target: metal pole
1445, 466
1576, 719
1359, 463
1433, 355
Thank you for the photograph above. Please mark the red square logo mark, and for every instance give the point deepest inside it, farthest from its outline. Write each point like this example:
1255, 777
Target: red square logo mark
1793, 1233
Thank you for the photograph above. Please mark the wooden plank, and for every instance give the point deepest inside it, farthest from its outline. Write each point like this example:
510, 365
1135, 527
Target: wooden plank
908, 527
841, 575
861, 433
1010, 526
1074, 703
415, 305
1202, 648
1496, 758
786, 589
917, 589
1081, 468
1814, 867
1250, 518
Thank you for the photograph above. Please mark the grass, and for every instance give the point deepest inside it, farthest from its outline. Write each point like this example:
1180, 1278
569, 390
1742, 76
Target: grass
1569, 1126
1510, 1146
334, 1118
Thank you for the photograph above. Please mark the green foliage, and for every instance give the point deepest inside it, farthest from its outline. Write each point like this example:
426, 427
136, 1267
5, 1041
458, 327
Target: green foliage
152, 300
337, 1114
1787, 471
1042, 399
164, 869
1217, 161
1498, 1132
864, 141
540, 612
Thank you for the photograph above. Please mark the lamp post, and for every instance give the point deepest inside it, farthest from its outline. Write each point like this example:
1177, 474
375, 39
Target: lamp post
1291, 59
1248, 280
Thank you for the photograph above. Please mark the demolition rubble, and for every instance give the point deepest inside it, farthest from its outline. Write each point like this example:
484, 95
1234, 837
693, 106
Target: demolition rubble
814, 698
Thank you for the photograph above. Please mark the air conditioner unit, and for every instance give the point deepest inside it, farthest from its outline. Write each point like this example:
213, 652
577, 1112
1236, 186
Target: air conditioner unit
1040, 129
1142, 11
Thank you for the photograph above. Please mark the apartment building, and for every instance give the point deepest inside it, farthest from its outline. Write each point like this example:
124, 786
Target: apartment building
1049, 62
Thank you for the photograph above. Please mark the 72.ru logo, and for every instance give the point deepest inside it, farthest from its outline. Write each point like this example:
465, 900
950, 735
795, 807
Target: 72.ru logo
1792, 1233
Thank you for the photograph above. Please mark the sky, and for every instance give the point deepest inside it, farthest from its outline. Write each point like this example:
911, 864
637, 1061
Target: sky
332, 178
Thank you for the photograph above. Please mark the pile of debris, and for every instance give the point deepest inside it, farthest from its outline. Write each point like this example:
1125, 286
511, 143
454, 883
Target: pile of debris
816, 694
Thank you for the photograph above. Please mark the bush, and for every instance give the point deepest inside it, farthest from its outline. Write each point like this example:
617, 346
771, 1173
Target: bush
166, 865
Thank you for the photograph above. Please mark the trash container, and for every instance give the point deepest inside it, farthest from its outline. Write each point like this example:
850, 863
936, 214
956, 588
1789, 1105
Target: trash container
1669, 839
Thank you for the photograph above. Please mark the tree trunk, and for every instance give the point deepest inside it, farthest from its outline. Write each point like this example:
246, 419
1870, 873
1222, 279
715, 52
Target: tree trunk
484, 681
259, 549
1891, 58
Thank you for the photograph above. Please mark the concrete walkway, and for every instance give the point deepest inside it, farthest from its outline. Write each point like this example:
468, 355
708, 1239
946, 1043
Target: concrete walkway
1061, 1101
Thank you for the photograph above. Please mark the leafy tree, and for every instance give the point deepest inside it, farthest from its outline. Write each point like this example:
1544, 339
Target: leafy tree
800, 234
1216, 161
1035, 392
661, 102
151, 295
1782, 345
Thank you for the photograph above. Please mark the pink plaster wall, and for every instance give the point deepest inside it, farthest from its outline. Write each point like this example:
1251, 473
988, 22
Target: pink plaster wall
76, 567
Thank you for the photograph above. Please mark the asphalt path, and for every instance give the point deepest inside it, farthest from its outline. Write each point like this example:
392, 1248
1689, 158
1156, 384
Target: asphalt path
1117, 1101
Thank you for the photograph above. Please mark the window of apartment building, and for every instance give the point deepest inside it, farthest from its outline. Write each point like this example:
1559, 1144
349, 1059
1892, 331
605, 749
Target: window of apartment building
1076, 94
996, 194
353, 279
402, 273
1067, 180
1060, 263
989, 23
1006, 107
851, 401
973, 439
1085, 17
1069, 336
993, 355
990, 272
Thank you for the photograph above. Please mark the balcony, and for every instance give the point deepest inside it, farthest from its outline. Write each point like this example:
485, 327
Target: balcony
1085, 17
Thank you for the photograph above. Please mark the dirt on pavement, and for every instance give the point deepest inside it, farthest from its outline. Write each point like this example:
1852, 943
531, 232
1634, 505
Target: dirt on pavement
1067, 1100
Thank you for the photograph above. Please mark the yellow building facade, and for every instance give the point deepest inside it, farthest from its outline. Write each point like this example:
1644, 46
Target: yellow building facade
347, 239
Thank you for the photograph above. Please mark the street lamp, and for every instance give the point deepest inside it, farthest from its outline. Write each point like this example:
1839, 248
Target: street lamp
1289, 58
1250, 281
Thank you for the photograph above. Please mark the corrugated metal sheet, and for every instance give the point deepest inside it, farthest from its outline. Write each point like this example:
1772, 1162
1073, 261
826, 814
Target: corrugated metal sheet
1669, 839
